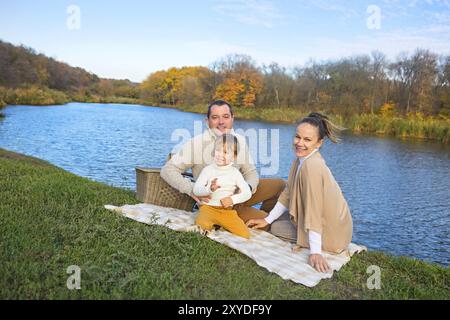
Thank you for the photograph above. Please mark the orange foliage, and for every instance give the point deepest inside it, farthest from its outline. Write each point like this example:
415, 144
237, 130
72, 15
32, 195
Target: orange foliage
240, 91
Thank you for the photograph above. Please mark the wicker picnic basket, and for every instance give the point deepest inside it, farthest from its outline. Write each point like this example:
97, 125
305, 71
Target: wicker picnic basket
151, 188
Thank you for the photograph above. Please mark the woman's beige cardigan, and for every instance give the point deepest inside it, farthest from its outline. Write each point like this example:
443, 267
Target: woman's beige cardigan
316, 203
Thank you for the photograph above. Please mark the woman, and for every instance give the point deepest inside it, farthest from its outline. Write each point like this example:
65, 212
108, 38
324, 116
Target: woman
311, 211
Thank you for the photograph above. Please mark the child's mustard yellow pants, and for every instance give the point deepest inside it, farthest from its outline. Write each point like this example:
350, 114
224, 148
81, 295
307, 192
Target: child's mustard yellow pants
209, 216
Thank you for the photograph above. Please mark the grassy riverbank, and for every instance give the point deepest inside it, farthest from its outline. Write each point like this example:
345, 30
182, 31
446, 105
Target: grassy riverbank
414, 126
51, 219
42, 96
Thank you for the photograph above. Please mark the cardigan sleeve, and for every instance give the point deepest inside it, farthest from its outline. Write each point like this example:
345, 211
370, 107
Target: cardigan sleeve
312, 195
284, 197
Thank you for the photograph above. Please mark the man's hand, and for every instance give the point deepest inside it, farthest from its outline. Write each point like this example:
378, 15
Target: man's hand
199, 200
226, 202
257, 223
214, 185
318, 262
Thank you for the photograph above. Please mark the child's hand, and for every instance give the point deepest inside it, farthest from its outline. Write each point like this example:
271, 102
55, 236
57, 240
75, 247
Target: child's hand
214, 185
226, 202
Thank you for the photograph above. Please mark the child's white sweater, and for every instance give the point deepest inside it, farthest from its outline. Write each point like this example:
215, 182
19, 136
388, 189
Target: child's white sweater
228, 178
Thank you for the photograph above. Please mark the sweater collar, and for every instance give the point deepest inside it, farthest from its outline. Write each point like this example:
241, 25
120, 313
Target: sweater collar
226, 167
301, 159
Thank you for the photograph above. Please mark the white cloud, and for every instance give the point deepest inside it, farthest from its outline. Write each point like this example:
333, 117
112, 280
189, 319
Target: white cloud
439, 17
206, 52
436, 39
342, 8
250, 12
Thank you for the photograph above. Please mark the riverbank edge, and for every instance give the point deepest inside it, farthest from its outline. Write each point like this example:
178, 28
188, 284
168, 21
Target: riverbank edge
46, 204
413, 128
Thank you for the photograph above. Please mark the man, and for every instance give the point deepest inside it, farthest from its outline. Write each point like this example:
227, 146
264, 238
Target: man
196, 154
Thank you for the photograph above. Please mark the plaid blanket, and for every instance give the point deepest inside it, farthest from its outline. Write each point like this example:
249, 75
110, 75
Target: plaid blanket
264, 248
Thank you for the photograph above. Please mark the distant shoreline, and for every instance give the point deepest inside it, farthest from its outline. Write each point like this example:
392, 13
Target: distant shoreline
373, 124
415, 127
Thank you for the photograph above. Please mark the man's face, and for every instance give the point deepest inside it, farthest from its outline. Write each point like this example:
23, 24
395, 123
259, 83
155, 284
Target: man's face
220, 119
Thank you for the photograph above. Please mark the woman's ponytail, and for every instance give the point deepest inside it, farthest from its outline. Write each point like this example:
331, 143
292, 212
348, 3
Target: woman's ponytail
325, 126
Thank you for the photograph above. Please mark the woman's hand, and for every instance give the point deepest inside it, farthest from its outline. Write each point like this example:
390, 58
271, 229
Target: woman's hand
318, 262
226, 202
257, 223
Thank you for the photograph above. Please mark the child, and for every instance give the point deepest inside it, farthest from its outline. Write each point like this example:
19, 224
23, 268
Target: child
219, 180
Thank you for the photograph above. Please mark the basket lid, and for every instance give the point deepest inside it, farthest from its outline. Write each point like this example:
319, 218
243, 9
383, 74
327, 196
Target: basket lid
148, 169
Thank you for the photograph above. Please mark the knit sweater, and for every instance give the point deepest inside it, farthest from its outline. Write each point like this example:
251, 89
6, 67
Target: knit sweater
228, 178
196, 154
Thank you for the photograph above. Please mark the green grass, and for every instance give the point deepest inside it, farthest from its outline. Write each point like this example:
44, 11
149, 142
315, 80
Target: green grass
412, 127
99, 99
43, 96
51, 219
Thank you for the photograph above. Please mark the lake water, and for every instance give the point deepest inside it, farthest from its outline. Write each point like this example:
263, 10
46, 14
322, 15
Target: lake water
398, 191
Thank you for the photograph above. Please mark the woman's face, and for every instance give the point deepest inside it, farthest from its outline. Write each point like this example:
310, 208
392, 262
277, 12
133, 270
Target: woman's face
223, 155
306, 140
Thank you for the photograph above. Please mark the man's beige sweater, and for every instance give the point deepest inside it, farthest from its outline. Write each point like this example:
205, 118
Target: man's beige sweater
197, 153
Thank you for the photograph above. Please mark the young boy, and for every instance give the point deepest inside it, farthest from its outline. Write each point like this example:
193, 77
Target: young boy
220, 180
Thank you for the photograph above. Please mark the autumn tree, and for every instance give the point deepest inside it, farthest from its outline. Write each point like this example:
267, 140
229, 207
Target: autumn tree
186, 85
278, 87
414, 78
242, 81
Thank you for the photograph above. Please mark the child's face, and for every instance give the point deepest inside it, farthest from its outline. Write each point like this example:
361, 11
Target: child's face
223, 155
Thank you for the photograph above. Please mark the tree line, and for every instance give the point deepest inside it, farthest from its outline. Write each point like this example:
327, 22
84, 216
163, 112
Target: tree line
416, 83
29, 77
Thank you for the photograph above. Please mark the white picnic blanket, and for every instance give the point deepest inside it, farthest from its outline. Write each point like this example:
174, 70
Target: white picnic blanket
267, 250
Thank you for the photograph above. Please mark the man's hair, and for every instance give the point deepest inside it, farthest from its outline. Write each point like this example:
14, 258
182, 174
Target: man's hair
219, 103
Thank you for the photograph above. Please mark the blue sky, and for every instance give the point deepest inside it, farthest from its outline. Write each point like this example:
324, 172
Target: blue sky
130, 39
